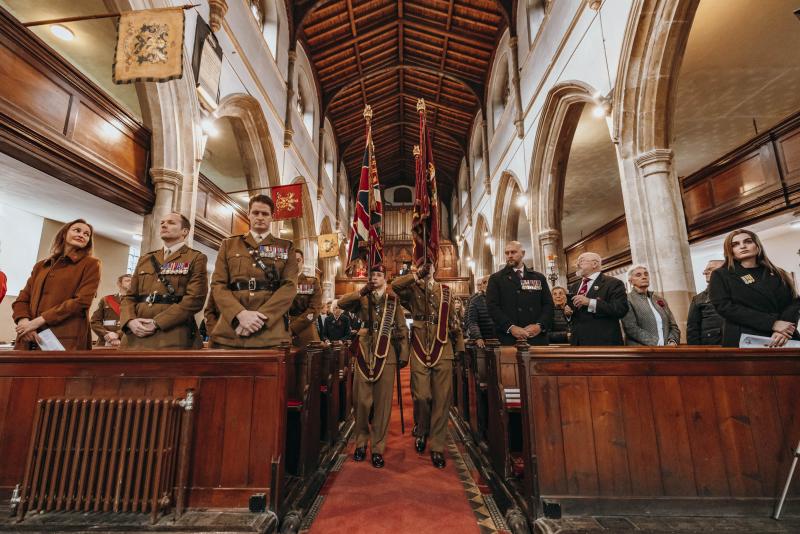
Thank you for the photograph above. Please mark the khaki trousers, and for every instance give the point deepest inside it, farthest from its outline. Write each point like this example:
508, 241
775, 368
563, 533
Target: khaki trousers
375, 397
432, 393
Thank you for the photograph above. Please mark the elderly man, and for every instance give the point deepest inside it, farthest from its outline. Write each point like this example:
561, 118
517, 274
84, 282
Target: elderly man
649, 320
598, 304
479, 324
519, 300
704, 325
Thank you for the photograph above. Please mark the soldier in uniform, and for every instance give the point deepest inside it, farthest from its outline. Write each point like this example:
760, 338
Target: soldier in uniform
168, 287
254, 284
305, 307
434, 351
105, 319
382, 333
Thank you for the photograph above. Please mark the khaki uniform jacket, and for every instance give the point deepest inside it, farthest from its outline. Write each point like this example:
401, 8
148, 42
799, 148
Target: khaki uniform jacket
105, 319
412, 296
359, 305
234, 264
61, 291
305, 310
177, 327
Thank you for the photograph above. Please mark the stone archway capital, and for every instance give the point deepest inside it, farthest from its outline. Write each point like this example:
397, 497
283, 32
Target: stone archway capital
549, 236
654, 161
166, 177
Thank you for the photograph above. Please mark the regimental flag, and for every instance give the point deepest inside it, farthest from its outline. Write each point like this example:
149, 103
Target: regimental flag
288, 201
149, 46
425, 218
366, 233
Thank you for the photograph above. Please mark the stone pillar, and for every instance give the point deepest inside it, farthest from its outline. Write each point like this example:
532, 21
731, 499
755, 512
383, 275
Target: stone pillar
663, 225
167, 183
487, 173
288, 132
551, 244
518, 119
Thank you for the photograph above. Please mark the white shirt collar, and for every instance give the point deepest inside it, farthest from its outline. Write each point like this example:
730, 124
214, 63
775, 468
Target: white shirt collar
169, 251
259, 237
592, 277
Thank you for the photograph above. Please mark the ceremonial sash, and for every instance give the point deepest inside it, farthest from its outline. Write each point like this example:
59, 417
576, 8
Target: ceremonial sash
371, 370
112, 303
430, 357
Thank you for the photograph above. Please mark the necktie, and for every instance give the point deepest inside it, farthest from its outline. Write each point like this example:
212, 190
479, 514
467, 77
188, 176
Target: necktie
584, 286
519, 273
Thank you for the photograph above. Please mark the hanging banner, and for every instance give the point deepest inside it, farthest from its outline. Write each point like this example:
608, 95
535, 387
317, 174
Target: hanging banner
328, 245
288, 201
149, 46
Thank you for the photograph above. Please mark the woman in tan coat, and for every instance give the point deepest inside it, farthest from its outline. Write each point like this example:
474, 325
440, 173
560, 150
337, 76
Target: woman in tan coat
59, 291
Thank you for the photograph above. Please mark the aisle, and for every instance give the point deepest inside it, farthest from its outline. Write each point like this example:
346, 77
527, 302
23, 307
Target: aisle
408, 495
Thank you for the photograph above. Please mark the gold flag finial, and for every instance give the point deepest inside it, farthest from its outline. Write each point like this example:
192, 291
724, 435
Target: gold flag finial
368, 112
416, 151
421, 104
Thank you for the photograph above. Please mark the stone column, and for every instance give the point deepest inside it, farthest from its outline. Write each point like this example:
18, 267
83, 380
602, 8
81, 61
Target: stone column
551, 244
288, 132
166, 183
519, 123
487, 173
663, 225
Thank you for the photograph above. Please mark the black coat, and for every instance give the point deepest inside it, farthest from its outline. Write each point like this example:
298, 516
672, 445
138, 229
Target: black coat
601, 327
338, 329
512, 301
750, 308
704, 325
321, 321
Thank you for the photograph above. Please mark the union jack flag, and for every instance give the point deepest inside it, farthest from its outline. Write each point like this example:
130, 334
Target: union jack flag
366, 232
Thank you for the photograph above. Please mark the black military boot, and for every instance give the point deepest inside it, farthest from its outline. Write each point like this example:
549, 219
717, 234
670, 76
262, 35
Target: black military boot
437, 458
419, 444
377, 460
359, 454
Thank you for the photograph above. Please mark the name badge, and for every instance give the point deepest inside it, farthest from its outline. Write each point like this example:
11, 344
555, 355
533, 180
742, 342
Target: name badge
531, 285
109, 322
748, 279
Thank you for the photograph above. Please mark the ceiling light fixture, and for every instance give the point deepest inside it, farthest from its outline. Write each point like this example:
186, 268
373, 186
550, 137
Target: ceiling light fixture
208, 127
522, 201
62, 32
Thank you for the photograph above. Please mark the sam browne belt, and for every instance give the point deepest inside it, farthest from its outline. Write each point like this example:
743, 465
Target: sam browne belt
254, 285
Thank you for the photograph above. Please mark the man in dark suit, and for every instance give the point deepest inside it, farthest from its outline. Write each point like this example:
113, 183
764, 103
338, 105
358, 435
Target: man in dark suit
519, 300
598, 304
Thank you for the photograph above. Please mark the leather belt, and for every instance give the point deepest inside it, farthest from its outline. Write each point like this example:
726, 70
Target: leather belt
252, 285
433, 318
154, 298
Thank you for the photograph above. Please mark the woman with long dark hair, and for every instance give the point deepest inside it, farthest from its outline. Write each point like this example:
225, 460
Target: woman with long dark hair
60, 290
752, 295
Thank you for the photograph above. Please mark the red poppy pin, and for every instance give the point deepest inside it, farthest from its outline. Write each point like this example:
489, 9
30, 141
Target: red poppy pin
660, 302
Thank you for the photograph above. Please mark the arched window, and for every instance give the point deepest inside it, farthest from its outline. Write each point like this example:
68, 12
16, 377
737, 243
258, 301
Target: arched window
477, 149
462, 184
327, 156
501, 92
271, 26
534, 10
257, 10
402, 195
304, 106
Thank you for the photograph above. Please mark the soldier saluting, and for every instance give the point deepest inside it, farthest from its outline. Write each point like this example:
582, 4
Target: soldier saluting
254, 283
167, 288
382, 325
430, 304
305, 306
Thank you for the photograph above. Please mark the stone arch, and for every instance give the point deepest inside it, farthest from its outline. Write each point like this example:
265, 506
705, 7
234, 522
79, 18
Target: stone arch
559, 119
483, 254
505, 223
252, 131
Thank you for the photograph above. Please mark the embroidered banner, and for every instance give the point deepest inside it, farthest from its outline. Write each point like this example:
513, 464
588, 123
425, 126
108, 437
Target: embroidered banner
288, 201
328, 245
149, 46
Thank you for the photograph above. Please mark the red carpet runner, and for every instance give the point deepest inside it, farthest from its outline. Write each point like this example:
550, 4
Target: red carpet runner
408, 495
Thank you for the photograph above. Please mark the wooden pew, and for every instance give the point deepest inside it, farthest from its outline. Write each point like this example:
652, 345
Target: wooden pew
661, 431
304, 370
477, 388
461, 387
237, 448
345, 382
329, 389
504, 429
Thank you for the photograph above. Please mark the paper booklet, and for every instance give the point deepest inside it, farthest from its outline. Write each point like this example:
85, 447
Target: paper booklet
750, 341
49, 341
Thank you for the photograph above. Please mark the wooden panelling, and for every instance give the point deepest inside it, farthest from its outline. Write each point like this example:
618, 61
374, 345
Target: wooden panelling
218, 215
756, 180
610, 241
55, 119
240, 418
660, 430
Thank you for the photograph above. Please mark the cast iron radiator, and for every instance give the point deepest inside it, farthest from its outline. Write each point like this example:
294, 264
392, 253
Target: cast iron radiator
107, 455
